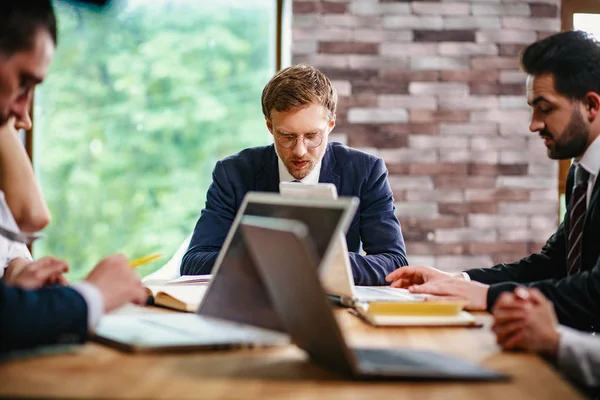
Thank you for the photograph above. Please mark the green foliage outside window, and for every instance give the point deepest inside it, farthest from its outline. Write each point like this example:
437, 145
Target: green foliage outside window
140, 102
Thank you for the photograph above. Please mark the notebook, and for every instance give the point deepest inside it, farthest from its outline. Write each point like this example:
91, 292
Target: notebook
182, 297
415, 314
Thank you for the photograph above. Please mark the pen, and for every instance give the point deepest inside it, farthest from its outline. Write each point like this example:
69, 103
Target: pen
144, 260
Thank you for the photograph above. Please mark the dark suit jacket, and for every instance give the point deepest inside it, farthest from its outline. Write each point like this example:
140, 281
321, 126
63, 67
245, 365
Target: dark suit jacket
576, 298
30, 318
353, 172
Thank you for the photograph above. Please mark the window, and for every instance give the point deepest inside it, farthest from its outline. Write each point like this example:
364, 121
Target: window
141, 100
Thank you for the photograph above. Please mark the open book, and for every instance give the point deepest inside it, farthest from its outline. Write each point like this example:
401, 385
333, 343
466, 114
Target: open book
183, 294
428, 313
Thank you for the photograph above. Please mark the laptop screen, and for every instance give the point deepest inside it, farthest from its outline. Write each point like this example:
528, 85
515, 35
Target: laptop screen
236, 292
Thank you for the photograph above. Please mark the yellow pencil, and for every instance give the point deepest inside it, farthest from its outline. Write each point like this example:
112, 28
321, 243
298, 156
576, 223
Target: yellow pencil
144, 260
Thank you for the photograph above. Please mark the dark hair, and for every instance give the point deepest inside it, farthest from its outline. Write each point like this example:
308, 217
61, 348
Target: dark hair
572, 57
20, 20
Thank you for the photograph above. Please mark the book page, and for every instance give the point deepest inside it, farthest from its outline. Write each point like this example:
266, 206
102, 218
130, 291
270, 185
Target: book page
190, 294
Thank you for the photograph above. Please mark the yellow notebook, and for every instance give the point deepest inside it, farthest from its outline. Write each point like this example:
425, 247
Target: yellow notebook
178, 297
427, 313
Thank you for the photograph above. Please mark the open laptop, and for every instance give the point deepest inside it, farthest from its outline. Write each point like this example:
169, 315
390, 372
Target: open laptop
336, 275
284, 254
236, 310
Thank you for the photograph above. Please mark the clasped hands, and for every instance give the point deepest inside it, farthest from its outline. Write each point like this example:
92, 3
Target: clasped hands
440, 284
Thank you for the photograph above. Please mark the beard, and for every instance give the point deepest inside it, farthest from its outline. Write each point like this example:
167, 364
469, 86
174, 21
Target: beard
302, 172
572, 142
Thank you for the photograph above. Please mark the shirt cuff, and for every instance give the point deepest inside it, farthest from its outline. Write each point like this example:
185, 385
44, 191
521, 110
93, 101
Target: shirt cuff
94, 300
466, 276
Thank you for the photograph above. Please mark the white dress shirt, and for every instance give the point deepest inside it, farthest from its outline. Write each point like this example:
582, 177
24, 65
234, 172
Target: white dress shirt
579, 356
590, 161
311, 178
10, 250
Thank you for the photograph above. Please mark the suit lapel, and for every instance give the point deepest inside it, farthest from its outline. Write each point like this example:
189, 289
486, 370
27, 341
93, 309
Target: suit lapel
267, 179
329, 169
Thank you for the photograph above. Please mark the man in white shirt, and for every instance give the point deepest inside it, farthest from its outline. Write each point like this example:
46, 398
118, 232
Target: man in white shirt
576, 354
33, 310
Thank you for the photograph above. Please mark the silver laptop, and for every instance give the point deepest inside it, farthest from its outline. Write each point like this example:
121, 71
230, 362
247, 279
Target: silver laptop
236, 310
336, 275
286, 259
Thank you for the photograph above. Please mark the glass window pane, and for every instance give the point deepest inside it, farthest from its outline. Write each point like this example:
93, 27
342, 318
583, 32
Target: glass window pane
140, 102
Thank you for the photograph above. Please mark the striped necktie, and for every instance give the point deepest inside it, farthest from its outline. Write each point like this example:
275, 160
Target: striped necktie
577, 219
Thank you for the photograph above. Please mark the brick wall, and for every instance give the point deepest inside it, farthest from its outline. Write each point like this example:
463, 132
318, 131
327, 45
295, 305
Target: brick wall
434, 89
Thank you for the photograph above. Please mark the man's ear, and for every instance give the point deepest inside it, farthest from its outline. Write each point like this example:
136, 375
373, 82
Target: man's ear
332, 124
269, 125
592, 105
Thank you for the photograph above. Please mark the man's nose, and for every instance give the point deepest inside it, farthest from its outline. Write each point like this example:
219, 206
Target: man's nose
299, 147
21, 107
24, 123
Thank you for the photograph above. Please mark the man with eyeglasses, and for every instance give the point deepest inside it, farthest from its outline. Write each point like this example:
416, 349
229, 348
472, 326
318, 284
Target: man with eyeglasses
299, 105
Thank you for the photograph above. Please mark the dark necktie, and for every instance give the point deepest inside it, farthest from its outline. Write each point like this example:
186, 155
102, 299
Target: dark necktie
296, 181
577, 219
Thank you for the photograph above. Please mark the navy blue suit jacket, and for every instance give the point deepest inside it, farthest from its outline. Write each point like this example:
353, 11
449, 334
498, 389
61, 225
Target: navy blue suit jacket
353, 172
30, 318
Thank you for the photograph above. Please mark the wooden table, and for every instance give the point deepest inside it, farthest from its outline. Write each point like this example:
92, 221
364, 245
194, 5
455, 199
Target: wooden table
101, 372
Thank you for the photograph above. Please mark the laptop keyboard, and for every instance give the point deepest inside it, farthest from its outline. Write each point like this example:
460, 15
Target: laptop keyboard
376, 293
206, 328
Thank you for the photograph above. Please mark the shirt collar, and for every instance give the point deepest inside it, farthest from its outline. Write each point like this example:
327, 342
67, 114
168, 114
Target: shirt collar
591, 158
285, 176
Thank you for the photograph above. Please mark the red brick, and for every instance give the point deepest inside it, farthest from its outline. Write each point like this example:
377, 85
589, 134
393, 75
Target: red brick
330, 7
483, 207
501, 194
444, 35
438, 169
544, 35
497, 248
398, 169
464, 182
491, 63
377, 139
414, 234
497, 169
430, 248
544, 10
405, 76
344, 74
513, 89
441, 222
470, 76
348, 48
423, 128
511, 50
453, 208
304, 7
439, 116
379, 87
363, 100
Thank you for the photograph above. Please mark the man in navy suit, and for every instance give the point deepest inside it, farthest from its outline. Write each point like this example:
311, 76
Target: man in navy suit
34, 310
299, 106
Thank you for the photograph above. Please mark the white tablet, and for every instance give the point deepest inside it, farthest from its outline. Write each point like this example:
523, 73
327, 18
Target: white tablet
323, 191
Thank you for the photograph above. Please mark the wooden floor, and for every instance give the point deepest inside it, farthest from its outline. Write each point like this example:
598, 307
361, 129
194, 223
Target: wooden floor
101, 372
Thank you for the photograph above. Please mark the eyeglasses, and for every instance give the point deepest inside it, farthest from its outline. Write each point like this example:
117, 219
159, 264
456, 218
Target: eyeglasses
310, 140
